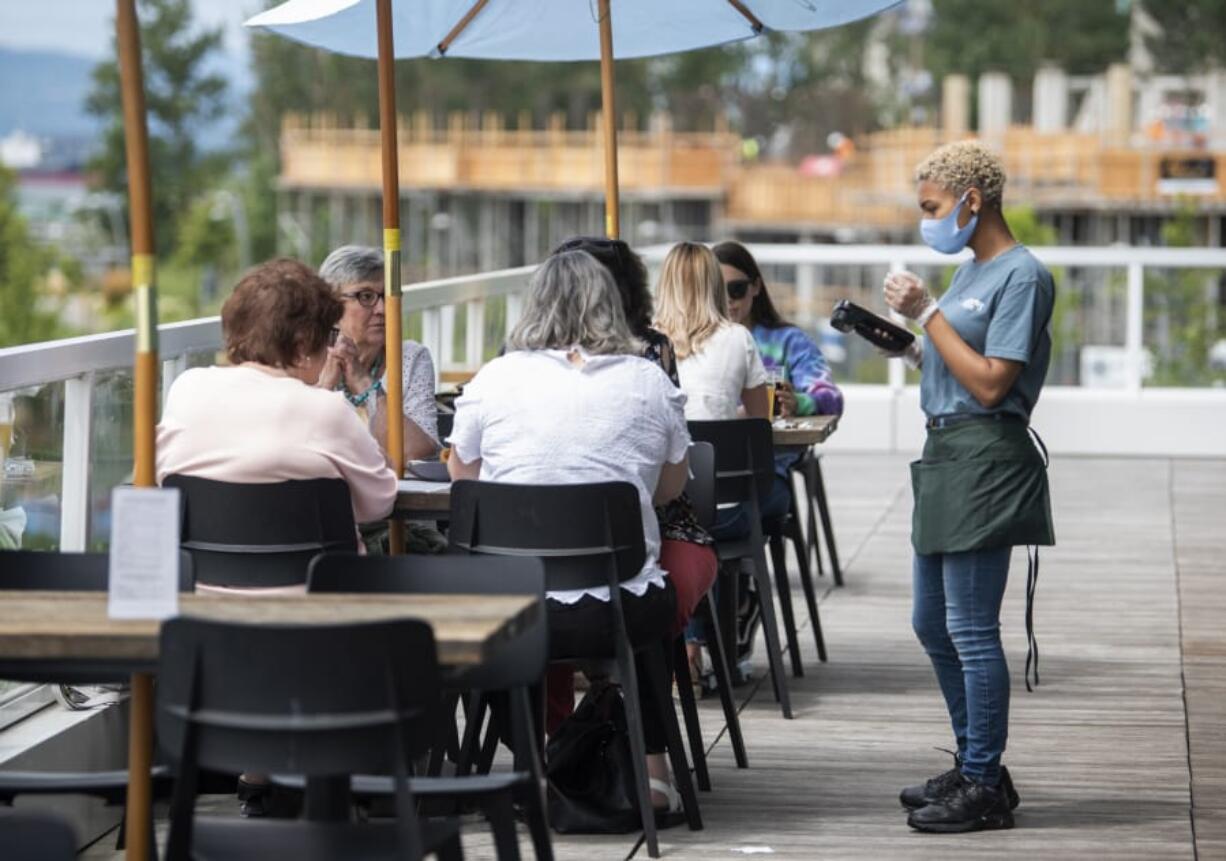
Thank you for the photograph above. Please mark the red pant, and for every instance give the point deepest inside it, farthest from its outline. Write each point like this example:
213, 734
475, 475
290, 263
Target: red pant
691, 569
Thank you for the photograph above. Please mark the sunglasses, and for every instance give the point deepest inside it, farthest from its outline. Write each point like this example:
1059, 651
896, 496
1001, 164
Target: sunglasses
738, 287
365, 298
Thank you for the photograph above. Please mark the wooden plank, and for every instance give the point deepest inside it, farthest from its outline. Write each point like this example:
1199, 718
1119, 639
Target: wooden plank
1105, 728
68, 625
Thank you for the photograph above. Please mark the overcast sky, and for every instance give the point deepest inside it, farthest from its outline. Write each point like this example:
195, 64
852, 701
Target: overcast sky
84, 26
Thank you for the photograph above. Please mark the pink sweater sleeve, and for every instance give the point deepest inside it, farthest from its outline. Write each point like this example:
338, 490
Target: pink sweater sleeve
344, 440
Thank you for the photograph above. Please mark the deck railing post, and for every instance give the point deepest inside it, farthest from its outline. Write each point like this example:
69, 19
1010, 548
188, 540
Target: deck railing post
1135, 322
74, 481
474, 334
445, 357
515, 310
432, 339
897, 371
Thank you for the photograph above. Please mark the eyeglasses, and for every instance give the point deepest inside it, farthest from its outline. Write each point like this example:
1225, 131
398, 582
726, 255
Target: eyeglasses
365, 298
738, 287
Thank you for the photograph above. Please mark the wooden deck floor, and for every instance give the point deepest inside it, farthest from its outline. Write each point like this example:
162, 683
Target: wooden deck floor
1108, 760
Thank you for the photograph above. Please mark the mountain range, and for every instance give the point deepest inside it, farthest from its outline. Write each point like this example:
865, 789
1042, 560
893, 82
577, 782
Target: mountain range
43, 93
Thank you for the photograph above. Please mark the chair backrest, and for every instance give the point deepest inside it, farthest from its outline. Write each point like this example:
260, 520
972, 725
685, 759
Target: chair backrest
701, 485
744, 457
587, 535
77, 572
323, 700
261, 535
518, 663
30, 835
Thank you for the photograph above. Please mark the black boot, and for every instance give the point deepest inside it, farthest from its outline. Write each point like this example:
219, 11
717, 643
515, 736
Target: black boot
969, 806
933, 789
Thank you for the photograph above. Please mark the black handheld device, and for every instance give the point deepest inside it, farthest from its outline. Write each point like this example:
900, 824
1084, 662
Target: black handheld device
850, 317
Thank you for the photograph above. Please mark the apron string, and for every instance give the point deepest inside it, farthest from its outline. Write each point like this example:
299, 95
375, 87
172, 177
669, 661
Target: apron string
1032, 643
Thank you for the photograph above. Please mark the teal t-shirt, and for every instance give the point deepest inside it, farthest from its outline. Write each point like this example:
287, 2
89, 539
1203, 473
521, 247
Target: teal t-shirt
1002, 309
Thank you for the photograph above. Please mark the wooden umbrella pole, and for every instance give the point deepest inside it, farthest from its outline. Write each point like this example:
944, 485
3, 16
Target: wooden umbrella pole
140, 208
391, 250
612, 206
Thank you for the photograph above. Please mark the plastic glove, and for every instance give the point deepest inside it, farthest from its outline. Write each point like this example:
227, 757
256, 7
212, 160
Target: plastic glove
913, 355
907, 294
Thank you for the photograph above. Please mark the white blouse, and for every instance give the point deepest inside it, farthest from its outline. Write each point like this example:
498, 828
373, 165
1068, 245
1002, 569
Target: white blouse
532, 417
714, 377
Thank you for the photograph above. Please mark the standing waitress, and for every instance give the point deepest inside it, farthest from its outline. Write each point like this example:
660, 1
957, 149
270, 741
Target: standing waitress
981, 486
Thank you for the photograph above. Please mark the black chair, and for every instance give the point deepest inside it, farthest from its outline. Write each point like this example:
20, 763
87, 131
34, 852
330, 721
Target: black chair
588, 535
262, 535
786, 527
323, 701
33, 836
744, 473
701, 492
810, 469
80, 572
515, 669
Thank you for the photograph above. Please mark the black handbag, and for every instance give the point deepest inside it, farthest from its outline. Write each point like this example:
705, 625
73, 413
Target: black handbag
590, 770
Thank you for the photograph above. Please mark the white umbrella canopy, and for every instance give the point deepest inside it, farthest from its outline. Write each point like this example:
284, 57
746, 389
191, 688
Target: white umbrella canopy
551, 30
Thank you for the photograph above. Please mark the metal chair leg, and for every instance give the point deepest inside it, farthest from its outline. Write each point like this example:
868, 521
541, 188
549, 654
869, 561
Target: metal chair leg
784, 587
723, 679
656, 667
823, 508
689, 710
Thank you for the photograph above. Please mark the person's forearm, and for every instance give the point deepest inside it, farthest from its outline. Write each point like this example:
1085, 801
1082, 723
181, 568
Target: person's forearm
417, 443
987, 379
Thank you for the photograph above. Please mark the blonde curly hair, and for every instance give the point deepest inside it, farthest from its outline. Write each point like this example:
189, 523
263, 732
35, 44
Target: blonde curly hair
961, 165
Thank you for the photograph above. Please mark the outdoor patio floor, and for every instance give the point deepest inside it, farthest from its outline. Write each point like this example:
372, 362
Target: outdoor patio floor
1120, 753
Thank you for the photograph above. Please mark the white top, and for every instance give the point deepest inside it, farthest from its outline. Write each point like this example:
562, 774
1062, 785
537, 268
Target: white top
713, 378
245, 425
534, 418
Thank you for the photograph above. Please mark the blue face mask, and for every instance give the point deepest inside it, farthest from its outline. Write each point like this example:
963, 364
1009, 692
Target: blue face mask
944, 235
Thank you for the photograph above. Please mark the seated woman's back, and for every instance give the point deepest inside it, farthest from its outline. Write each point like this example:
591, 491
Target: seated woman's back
546, 420
713, 378
263, 420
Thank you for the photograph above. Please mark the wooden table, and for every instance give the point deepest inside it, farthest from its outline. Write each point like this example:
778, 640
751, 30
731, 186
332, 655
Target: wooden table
65, 634
423, 500
431, 500
803, 431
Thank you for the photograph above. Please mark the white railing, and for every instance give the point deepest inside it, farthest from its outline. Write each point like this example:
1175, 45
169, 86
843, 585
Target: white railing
1180, 421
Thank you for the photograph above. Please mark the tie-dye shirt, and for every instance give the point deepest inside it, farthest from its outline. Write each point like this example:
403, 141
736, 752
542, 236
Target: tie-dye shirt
794, 353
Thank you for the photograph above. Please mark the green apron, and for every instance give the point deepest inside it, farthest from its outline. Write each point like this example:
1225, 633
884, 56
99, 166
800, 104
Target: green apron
980, 485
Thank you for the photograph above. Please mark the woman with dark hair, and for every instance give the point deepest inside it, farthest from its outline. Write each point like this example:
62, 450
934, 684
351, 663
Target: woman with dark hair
784, 347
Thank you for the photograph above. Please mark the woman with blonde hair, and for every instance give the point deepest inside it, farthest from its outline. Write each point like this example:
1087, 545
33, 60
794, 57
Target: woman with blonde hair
717, 360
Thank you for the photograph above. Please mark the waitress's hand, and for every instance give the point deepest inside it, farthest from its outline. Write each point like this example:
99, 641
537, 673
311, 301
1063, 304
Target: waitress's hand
912, 355
907, 294
785, 400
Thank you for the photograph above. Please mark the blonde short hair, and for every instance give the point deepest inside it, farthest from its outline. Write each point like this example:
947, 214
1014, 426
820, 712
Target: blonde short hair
963, 165
691, 302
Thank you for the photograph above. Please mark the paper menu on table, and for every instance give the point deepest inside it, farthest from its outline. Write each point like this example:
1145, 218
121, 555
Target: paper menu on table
144, 569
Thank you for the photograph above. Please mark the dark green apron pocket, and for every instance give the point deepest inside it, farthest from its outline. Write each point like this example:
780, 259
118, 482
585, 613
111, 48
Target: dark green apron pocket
979, 503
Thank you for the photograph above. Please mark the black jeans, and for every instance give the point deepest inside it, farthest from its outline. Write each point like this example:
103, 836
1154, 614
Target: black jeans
585, 629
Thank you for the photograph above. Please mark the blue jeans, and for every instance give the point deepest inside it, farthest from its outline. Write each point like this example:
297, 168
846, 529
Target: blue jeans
956, 615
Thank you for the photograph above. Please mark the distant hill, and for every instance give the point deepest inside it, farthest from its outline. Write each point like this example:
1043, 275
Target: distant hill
44, 93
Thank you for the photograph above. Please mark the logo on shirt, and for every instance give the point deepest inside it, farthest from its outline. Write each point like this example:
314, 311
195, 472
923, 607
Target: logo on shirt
973, 305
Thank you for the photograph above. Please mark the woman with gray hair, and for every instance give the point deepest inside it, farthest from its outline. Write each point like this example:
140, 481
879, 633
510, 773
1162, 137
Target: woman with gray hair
572, 402
356, 363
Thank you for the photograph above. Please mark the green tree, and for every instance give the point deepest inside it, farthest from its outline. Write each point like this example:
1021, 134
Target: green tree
1191, 34
181, 97
972, 37
22, 265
